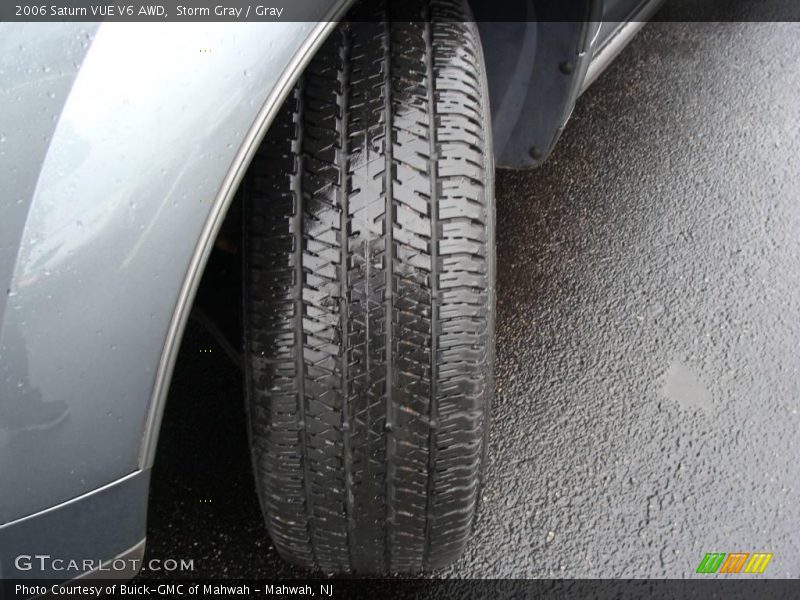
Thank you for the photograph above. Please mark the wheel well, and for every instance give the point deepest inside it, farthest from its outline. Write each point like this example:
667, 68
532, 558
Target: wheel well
212, 226
536, 56
529, 102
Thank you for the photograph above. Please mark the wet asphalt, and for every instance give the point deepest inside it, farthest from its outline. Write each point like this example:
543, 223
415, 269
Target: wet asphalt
647, 408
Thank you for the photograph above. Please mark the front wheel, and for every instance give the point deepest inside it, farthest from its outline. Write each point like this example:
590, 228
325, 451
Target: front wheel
369, 297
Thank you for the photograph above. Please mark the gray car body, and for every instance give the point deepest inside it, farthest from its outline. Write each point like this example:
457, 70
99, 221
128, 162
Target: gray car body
121, 147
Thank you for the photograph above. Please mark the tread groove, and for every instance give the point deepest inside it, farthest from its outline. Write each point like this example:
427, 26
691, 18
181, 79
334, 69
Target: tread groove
434, 212
344, 226
388, 292
297, 190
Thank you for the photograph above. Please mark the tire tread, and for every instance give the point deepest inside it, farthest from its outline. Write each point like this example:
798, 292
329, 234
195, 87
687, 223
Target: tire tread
369, 297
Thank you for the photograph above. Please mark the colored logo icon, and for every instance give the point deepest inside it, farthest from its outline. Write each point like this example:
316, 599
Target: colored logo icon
734, 562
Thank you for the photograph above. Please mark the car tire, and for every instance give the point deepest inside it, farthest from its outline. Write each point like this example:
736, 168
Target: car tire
369, 297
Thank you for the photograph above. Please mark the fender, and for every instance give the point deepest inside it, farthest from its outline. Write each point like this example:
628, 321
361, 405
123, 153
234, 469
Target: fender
152, 130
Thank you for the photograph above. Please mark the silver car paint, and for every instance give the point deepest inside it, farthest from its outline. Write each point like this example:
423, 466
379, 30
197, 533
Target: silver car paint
107, 220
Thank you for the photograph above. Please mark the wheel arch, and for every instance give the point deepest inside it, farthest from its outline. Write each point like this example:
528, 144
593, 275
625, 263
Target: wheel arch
216, 216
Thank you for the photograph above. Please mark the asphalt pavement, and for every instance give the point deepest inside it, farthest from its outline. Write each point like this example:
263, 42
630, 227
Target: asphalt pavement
647, 408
